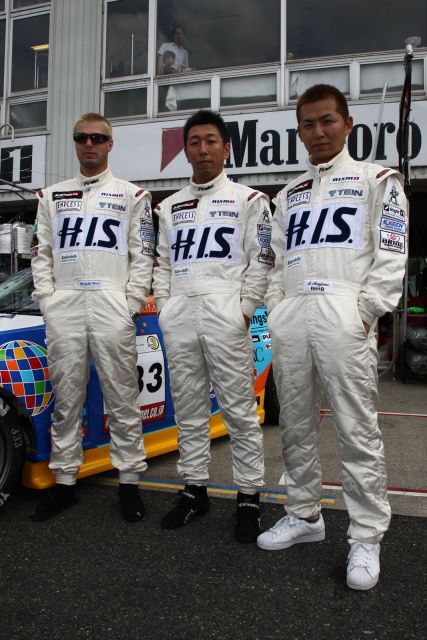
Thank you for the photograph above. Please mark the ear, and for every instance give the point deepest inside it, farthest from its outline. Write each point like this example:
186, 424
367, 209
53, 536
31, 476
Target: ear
349, 125
227, 149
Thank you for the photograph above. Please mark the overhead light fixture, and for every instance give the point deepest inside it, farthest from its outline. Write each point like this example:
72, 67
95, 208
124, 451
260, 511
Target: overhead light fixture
40, 47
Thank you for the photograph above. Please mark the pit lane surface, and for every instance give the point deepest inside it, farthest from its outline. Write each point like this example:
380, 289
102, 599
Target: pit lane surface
88, 574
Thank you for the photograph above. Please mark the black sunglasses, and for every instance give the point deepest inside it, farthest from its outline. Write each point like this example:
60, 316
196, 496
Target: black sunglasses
95, 138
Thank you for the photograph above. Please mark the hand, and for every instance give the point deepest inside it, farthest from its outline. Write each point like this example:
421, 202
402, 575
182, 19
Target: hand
247, 321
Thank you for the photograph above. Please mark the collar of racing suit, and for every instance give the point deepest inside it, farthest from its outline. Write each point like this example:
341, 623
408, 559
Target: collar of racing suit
328, 168
96, 181
209, 187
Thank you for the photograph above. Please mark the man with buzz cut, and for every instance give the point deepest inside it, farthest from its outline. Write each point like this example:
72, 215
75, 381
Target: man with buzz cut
92, 261
214, 256
339, 236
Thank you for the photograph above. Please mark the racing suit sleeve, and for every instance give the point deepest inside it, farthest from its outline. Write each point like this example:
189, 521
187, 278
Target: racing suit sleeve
256, 244
383, 287
141, 252
275, 291
162, 270
41, 252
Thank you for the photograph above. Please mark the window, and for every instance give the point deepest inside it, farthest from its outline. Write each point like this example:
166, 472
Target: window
30, 51
248, 90
332, 27
127, 38
300, 80
19, 4
2, 45
130, 102
373, 76
186, 95
219, 34
29, 115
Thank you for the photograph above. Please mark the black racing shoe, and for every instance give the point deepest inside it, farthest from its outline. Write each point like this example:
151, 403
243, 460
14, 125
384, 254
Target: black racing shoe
130, 502
248, 514
194, 502
59, 498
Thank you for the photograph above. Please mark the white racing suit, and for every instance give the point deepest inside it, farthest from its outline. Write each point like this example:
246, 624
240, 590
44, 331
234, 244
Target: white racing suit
339, 235
214, 256
92, 258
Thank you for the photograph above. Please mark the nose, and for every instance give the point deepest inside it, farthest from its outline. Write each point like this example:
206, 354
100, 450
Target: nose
203, 147
318, 129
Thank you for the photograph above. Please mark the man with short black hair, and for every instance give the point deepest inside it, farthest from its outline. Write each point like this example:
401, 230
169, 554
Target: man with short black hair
92, 273
339, 236
214, 256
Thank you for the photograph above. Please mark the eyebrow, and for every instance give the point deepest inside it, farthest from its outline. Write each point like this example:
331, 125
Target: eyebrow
322, 117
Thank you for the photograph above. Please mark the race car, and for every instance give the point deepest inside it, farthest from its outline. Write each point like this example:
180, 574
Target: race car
27, 399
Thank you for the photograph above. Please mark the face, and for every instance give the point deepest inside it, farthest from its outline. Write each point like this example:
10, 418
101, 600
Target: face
93, 157
323, 130
206, 152
178, 36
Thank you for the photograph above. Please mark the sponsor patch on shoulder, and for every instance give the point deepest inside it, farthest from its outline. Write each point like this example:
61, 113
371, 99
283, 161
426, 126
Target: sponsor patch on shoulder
67, 195
391, 224
382, 173
393, 212
139, 193
40, 193
252, 196
302, 186
185, 206
392, 242
266, 256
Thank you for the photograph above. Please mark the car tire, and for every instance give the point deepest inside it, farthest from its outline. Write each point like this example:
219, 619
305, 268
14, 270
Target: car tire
271, 402
12, 450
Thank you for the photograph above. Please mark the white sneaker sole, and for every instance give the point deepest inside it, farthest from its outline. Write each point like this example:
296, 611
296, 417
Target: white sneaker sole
312, 537
358, 587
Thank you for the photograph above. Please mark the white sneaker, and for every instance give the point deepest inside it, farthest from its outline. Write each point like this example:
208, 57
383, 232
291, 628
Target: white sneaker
363, 565
289, 531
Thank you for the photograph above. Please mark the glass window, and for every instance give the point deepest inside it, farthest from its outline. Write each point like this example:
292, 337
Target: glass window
299, 81
30, 52
1, 5
2, 45
373, 76
187, 95
130, 102
208, 35
28, 115
336, 28
249, 90
127, 38
19, 4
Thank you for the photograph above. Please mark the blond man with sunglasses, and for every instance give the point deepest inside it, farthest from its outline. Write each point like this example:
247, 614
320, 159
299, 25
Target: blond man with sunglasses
92, 257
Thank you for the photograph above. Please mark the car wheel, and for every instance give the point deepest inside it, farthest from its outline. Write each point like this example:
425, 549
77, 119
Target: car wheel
12, 450
271, 402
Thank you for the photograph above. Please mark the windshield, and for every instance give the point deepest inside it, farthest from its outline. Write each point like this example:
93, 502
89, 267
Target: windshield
15, 294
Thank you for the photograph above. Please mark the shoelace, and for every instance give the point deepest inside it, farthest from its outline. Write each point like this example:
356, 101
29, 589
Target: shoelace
361, 555
284, 523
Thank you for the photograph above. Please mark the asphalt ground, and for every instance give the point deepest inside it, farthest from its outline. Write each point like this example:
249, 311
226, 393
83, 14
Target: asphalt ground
89, 574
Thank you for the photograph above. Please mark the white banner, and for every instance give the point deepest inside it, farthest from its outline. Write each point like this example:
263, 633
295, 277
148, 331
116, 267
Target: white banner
264, 142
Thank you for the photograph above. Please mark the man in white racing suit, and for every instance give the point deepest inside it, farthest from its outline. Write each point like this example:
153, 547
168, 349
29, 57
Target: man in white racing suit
214, 256
92, 258
339, 235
